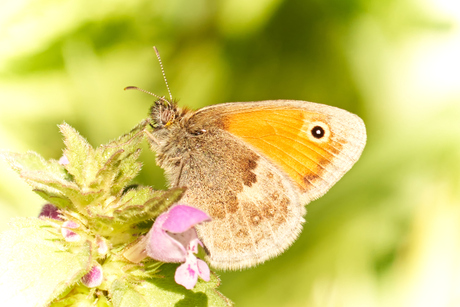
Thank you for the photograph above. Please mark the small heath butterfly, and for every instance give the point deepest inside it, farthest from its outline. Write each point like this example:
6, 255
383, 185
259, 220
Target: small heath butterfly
253, 166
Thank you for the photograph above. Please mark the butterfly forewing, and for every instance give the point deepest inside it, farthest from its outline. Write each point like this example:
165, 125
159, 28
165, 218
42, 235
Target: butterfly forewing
284, 132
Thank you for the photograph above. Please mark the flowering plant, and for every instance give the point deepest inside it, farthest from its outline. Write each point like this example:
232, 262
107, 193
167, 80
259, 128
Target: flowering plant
98, 241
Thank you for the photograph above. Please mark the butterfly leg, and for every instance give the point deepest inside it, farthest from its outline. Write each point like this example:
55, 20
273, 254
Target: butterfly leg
151, 137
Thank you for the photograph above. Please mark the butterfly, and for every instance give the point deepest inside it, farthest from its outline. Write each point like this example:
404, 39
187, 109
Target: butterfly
252, 167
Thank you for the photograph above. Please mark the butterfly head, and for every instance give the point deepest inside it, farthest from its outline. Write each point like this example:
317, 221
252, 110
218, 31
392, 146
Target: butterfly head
164, 114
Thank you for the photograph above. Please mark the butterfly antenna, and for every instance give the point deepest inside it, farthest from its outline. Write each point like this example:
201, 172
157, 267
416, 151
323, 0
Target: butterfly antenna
163, 71
147, 92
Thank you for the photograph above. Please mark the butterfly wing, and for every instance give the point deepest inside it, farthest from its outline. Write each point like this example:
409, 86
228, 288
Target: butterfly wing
283, 131
257, 166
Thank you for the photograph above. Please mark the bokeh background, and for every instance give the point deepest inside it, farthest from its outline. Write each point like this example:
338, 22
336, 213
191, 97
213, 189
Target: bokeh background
388, 234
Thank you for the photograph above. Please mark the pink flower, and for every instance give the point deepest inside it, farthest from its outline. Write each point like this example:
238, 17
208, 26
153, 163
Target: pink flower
63, 160
94, 277
102, 247
50, 211
174, 239
69, 235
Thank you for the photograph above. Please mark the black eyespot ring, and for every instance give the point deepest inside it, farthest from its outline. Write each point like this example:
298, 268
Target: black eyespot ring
317, 132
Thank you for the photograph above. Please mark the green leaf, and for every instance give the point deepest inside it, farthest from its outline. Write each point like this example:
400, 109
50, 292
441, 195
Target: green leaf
107, 168
144, 204
118, 159
59, 201
123, 295
166, 292
80, 300
136, 208
36, 266
33, 162
81, 296
79, 153
49, 179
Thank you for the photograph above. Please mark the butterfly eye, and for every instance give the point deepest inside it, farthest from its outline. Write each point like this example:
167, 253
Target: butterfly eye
197, 132
317, 132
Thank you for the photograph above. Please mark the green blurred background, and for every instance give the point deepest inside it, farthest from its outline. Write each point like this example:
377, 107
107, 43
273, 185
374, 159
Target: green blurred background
388, 234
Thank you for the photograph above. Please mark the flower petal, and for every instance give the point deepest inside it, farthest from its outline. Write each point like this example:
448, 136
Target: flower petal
94, 277
69, 235
187, 275
70, 224
50, 211
161, 246
193, 245
203, 270
182, 217
185, 238
63, 160
102, 247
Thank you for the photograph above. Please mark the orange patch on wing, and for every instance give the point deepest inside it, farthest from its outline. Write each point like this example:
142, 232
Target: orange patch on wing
280, 134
